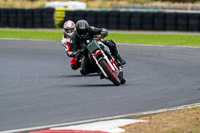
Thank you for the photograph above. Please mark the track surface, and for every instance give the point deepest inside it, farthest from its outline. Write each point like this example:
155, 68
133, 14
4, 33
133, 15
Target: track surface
38, 87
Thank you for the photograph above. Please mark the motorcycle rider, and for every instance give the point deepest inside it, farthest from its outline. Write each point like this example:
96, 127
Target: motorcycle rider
83, 33
69, 28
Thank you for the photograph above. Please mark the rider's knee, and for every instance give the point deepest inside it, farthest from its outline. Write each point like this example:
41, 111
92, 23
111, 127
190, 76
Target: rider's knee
74, 67
111, 43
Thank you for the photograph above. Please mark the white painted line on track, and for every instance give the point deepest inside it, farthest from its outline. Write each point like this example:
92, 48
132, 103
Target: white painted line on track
111, 126
134, 115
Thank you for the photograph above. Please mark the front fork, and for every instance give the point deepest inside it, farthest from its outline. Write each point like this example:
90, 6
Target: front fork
112, 65
100, 67
108, 61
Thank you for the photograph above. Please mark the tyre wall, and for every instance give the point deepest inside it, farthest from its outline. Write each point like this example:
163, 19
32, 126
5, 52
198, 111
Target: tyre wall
130, 20
110, 19
27, 18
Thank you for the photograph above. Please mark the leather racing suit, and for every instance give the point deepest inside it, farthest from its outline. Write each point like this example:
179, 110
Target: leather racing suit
66, 42
78, 43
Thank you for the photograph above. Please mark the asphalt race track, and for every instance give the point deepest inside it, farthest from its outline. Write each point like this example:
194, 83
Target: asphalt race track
38, 87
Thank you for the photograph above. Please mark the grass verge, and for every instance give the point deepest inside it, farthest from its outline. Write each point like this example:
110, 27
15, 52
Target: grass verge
155, 39
182, 121
25, 34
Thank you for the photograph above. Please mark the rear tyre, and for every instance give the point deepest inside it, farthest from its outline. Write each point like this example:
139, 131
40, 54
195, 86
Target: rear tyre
111, 75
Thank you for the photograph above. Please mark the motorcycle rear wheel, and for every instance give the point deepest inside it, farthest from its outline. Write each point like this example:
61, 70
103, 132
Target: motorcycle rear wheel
111, 75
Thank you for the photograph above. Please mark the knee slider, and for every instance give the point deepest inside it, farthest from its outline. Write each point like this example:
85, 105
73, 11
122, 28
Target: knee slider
111, 43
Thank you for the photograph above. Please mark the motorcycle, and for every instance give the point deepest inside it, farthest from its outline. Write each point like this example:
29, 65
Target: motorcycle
102, 59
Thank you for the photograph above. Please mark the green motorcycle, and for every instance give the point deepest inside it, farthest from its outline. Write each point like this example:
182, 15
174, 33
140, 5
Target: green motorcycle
102, 59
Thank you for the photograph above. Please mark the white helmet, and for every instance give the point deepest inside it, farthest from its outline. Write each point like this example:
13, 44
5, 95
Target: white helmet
69, 28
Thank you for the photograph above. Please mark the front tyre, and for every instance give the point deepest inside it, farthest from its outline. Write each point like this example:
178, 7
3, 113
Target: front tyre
111, 75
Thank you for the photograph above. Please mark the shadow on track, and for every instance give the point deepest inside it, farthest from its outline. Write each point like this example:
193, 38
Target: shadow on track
85, 85
92, 85
89, 75
73, 76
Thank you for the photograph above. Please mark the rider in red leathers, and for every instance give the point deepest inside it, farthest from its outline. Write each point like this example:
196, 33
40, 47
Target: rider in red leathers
69, 28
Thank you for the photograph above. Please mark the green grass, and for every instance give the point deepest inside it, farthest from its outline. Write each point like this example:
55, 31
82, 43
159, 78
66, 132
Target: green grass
24, 34
170, 40
155, 39
196, 108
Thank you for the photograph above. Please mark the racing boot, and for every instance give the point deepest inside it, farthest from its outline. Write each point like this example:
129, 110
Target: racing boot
121, 61
123, 81
113, 49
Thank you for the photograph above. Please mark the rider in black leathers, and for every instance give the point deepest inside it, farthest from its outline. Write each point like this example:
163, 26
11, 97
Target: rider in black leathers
85, 33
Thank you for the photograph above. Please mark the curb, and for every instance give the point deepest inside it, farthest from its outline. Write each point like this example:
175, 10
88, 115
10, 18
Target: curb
127, 116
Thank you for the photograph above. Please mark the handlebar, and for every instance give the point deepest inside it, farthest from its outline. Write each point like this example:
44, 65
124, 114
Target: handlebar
99, 38
78, 52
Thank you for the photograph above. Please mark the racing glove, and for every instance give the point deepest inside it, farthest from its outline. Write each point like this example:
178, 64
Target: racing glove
104, 33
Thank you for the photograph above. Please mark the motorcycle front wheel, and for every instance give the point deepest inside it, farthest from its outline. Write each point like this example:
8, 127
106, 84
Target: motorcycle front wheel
111, 75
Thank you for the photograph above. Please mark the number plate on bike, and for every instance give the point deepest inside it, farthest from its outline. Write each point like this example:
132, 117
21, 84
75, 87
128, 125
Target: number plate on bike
93, 46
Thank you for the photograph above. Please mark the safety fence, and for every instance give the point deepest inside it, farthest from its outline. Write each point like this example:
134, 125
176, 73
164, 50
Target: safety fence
130, 20
27, 18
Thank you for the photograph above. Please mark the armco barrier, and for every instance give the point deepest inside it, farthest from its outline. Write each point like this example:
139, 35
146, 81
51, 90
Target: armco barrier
136, 20
27, 18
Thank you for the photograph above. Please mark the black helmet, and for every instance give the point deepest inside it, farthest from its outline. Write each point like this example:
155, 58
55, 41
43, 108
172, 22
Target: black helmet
82, 28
